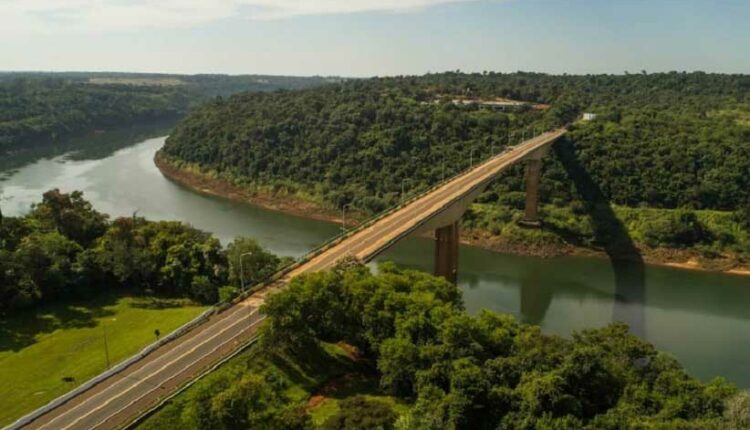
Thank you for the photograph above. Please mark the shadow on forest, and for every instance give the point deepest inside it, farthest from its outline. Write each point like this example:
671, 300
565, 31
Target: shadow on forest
612, 235
94, 146
21, 329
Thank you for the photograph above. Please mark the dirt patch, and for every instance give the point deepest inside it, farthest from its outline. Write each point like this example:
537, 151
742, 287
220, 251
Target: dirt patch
330, 388
351, 351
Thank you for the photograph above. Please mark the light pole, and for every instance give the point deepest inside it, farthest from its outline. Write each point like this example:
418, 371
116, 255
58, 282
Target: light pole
471, 158
242, 271
343, 217
404, 181
443, 178
106, 343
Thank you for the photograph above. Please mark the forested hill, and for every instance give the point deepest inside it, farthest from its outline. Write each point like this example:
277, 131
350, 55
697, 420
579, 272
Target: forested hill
49, 107
674, 140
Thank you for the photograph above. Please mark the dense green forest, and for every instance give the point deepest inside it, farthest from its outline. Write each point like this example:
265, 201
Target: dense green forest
397, 350
49, 107
665, 141
63, 248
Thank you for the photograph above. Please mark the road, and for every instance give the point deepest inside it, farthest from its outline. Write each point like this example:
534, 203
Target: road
120, 399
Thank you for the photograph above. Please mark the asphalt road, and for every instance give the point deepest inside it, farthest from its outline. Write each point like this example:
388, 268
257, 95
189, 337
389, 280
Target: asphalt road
121, 398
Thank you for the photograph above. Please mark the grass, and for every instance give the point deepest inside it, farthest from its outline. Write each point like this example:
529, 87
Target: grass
38, 349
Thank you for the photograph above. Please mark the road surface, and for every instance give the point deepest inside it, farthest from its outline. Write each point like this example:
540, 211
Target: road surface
122, 398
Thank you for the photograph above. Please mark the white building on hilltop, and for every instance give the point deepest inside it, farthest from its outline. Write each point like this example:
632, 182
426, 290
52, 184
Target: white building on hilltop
588, 116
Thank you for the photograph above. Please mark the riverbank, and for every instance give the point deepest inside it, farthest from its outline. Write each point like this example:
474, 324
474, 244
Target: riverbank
687, 259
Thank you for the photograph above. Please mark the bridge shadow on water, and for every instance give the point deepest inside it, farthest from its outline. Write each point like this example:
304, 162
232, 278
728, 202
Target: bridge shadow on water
612, 235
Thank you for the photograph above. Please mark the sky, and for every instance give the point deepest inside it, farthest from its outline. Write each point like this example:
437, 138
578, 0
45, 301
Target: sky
375, 37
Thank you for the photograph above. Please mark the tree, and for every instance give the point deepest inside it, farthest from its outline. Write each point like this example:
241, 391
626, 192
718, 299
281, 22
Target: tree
257, 264
360, 413
71, 215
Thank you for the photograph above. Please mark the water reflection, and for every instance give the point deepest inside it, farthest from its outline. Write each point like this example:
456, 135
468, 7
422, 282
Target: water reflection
536, 296
96, 146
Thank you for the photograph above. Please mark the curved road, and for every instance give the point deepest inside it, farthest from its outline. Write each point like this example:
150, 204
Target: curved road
121, 398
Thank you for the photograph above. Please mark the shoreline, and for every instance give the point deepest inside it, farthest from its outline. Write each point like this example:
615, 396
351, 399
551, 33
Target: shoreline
290, 204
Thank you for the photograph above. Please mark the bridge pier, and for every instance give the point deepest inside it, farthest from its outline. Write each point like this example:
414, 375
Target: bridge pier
446, 252
533, 176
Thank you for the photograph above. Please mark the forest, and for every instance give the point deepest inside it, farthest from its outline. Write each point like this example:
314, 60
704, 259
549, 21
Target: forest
672, 141
397, 350
39, 108
65, 249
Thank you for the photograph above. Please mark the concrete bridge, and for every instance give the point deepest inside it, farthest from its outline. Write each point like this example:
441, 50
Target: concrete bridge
120, 397
441, 209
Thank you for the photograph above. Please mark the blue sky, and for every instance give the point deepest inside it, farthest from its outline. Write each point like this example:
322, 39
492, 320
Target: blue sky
368, 37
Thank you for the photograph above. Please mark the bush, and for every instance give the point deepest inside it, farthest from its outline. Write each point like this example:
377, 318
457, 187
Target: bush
737, 412
678, 229
359, 413
227, 293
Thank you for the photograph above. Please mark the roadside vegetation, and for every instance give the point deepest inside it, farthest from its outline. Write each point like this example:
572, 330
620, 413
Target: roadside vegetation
347, 349
48, 350
669, 145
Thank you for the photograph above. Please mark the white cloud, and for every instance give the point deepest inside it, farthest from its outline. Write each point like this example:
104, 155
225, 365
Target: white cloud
97, 16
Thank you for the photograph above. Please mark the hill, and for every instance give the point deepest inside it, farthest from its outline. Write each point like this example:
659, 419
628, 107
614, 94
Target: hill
43, 108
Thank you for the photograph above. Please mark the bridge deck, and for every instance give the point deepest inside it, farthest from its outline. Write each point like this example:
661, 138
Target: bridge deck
121, 398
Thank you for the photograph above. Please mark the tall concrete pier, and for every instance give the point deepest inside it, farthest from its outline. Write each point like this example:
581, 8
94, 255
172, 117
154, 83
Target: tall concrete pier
446, 252
533, 176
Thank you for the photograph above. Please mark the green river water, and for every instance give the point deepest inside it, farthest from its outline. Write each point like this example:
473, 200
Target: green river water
701, 318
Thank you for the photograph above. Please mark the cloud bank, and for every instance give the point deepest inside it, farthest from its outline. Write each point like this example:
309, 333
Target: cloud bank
97, 16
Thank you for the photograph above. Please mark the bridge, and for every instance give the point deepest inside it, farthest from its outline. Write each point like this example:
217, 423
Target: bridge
120, 397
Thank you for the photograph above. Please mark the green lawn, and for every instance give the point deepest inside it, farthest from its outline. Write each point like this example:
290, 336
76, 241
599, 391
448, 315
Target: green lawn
40, 348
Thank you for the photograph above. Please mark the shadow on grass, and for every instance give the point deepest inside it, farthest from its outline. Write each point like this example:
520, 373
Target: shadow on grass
158, 303
21, 329
613, 237
314, 368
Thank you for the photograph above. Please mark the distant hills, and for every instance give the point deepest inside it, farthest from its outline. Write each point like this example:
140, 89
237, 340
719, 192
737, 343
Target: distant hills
45, 107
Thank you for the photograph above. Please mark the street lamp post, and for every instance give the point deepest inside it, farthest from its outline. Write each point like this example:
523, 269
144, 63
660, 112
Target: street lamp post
471, 158
242, 271
343, 217
404, 181
106, 344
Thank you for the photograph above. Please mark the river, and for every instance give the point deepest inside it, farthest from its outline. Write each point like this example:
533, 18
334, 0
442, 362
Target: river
703, 319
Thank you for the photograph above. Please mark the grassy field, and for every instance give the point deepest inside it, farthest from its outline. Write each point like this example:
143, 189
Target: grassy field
41, 350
